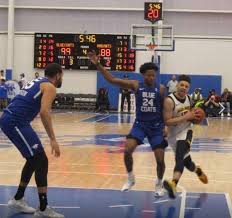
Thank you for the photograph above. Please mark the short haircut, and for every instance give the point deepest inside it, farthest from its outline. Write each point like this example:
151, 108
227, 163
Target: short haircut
184, 78
52, 69
148, 66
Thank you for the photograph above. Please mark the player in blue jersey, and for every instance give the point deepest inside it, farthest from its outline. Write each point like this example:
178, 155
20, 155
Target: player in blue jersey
148, 123
35, 97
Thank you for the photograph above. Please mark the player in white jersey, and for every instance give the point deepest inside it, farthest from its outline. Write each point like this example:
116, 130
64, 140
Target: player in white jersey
177, 116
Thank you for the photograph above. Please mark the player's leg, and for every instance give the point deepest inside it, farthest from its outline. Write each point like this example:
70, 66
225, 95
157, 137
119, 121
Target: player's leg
188, 163
28, 143
134, 139
128, 102
123, 97
191, 166
160, 169
39, 161
12, 133
170, 186
130, 146
158, 145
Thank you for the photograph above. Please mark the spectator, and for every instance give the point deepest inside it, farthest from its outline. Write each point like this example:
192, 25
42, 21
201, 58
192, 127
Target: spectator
212, 106
2, 75
196, 95
172, 84
125, 95
22, 81
3, 94
36, 75
102, 103
226, 100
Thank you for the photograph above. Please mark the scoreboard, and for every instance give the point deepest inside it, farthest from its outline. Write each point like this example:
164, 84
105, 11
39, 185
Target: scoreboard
70, 51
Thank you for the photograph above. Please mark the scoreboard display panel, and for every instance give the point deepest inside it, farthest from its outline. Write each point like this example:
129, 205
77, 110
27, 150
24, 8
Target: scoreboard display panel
153, 11
70, 51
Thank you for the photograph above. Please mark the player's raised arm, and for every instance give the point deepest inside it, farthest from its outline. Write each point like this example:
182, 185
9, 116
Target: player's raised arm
130, 84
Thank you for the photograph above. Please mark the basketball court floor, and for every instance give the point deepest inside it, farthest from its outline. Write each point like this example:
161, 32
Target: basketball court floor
85, 181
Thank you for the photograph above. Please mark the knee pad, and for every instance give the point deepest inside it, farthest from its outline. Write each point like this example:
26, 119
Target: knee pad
189, 164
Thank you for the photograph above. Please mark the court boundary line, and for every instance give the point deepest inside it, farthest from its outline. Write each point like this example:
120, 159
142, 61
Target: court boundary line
6, 172
101, 119
82, 120
229, 204
56, 207
183, 201
108, 189
107, 165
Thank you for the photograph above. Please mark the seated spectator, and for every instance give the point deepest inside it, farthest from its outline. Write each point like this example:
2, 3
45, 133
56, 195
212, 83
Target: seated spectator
196, 95
102, 102
2, 75
211, 105
36, 75
226, 99
22, 81
3, 94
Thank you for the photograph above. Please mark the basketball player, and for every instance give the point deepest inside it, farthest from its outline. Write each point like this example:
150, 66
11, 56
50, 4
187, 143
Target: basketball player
178, 116
148, 123
35, 97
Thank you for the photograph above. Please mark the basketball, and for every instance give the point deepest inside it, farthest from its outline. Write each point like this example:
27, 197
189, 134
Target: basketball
200, 117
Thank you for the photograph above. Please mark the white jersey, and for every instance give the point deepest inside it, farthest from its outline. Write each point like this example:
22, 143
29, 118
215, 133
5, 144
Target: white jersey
179, 131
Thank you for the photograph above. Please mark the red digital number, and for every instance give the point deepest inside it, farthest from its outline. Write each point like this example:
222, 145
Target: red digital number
65, 51
105, 52
108, 63
62, 61
153, 13
131, 55
51, 59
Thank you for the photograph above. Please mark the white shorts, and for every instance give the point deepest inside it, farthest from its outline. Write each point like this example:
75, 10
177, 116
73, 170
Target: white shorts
172, 139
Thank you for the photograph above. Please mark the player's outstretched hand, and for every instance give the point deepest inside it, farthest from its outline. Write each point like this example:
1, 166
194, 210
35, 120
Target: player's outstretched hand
93, 57
55, 148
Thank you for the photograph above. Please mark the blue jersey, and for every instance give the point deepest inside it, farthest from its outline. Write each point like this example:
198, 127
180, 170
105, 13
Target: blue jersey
3, 91
26, 105
149, 103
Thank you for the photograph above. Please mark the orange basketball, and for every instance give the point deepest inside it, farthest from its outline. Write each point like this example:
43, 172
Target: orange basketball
200, 115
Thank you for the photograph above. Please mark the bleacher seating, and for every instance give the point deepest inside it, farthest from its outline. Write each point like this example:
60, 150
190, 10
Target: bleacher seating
75, 101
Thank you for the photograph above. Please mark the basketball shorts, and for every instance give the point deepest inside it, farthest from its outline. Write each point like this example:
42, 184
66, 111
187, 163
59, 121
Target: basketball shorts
21, 135
172, 139
150, 130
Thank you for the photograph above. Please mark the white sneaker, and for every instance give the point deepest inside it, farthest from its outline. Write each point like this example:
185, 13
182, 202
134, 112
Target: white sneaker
159, 191
20, 205
228, 114
49, 212
222, 115
129, 183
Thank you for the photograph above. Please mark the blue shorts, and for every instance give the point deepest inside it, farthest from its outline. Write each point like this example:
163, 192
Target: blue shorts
21, 135
151, 130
